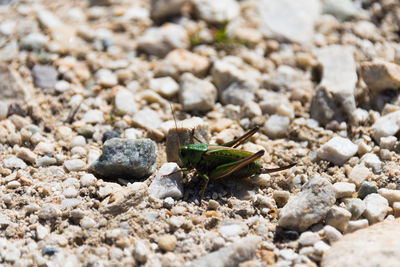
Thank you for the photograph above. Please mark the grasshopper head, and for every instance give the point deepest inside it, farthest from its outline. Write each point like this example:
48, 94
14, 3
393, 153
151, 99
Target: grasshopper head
190, 155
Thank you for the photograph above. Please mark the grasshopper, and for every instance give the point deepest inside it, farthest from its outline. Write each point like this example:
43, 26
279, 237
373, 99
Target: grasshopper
216, 162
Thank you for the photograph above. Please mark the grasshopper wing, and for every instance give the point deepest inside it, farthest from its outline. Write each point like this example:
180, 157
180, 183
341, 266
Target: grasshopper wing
229, 168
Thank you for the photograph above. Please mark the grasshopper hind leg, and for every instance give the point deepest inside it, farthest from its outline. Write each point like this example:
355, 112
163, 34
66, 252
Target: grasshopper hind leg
203, 189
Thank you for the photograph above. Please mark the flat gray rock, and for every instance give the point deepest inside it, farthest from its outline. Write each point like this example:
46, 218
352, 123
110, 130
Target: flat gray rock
126, 158
374, 246
309, 206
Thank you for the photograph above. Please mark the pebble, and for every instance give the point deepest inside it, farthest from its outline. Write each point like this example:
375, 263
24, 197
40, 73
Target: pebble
337, 150
338, 217
27, 155
216, 11
142, 250
49, 212
332, 234
276, 126
321, 247
14, 163
180, 61
343, 189
165, 86
125, 198
238, 93
93, 116
372, 161
388, 142
126, 158
373, 246
308, 238
356, 225
290, 20
41, 232
184, 135
391, 195
376, 208
239, 251
356, 207
387, 125
396, 209
196, 94
75, 165
230, 230
168, 202
34, 41
380, 75
13, 185
167, 182
44, 76
281, 197
158, 41
167, 242
125, 102
359, 174
163, 9
334, 99
70, 192
315, 200
87, 180
367, 188
341, 9
45, 161
70, 203
106, 78
147, 119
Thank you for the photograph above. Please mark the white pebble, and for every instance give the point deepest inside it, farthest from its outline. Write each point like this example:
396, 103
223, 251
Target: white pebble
337, 150
14, 163
106, 78
320, 247
309, 238
70, 192
356, 225
75, 165
276, 126
13, 185
78, 141
343, 189
88, 179
93, 116
376, 208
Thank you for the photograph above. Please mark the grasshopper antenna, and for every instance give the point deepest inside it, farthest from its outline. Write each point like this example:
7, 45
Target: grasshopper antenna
176, 129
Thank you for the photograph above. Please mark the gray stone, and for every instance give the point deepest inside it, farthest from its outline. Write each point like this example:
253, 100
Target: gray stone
332, 234
167, 182
124, 199
356, 207
387, 125
45, 77
162, 9
372, 161
374, 246
376, 208
290, 20
196, 94
240, 251
49, 212
216, 11
309, 206
337, 150
126, 158
367, 188
357, 225
14, 163
34, 41
334, 99
159, 41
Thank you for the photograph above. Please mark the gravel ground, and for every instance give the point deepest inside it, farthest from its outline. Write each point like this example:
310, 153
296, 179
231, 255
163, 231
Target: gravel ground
97, 95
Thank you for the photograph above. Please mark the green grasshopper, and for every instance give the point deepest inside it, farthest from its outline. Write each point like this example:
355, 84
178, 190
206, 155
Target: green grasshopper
216, 162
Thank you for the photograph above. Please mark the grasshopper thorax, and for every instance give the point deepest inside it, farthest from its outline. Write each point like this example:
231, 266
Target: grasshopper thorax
191, 155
